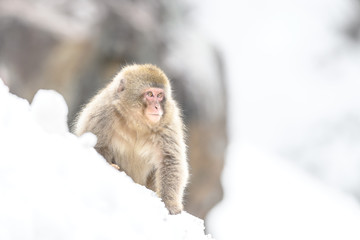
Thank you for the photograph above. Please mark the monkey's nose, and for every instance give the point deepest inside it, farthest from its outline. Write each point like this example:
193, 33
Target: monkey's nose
156, 105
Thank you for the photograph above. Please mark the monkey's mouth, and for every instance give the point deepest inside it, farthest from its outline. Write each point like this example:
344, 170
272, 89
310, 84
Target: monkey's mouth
154, 117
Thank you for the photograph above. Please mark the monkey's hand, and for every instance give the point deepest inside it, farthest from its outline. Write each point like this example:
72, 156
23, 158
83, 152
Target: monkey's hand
174, 209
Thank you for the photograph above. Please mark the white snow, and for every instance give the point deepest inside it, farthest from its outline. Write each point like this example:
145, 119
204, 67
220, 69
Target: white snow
268, 198
54, 185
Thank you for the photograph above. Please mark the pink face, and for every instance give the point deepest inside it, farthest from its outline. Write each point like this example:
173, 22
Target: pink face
153, 97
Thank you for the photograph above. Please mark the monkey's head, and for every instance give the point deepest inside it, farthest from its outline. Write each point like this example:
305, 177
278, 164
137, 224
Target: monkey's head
145, 89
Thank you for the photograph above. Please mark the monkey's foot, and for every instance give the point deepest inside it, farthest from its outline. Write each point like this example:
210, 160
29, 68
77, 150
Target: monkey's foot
115, 166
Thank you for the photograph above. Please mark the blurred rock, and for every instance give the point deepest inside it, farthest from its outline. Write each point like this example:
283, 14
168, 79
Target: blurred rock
77, 46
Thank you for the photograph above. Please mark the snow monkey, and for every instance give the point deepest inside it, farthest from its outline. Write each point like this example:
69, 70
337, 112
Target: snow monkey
139, 129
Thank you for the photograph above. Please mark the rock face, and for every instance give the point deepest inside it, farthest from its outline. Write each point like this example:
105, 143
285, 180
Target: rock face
76, 47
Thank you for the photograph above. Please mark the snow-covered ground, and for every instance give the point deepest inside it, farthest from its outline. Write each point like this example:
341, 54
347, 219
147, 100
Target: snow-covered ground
53, 185
267, 197
293, 84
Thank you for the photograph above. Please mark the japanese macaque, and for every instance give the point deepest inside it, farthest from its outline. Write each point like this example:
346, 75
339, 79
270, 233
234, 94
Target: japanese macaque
140, 131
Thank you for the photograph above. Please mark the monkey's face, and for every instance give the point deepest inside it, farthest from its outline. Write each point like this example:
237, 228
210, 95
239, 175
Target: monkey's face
153, 99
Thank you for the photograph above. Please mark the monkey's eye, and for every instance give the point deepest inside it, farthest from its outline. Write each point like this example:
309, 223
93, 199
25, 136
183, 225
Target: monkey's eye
160, 95
149, 94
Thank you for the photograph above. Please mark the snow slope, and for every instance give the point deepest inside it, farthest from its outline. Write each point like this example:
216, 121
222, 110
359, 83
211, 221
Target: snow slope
54, 185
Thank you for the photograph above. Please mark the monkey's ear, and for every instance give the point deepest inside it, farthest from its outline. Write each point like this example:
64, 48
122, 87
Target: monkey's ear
121, 85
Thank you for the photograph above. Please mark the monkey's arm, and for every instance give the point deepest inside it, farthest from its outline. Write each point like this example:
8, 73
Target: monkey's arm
173, 172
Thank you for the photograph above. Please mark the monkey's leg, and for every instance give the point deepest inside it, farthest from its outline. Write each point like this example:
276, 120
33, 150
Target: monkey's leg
105, 152
151, 181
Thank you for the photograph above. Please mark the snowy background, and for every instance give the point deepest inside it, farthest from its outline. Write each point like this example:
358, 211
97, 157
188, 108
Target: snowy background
293, 164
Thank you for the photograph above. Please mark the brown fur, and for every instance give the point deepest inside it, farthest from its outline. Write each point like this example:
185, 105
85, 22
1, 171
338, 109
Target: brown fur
152, 154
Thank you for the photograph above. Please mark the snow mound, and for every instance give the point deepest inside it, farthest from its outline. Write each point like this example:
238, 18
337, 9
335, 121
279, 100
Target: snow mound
54, 185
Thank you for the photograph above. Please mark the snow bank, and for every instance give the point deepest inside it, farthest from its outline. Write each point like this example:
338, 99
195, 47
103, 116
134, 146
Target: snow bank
54, 185
271, 199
